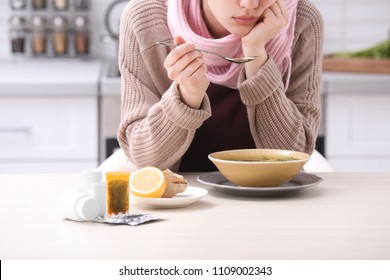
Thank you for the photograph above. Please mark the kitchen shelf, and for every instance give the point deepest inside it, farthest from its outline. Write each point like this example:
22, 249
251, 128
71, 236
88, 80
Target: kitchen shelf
360, 65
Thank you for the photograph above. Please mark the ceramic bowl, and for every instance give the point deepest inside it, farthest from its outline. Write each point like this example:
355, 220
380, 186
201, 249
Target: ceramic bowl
259, 167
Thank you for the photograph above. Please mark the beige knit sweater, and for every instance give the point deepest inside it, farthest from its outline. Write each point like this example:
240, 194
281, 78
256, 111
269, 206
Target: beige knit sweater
157, 128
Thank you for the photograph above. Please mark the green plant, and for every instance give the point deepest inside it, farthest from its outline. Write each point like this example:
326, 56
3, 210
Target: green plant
379, 51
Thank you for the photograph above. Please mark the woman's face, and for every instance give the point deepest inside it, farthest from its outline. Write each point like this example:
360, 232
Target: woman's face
233, 16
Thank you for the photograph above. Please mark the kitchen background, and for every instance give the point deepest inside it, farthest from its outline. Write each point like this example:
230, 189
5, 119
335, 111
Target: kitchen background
60, 113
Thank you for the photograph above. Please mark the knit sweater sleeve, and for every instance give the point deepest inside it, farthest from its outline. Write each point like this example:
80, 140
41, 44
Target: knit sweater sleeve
289, 119
156, 127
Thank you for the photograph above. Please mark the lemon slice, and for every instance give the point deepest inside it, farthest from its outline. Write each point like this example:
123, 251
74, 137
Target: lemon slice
148, 182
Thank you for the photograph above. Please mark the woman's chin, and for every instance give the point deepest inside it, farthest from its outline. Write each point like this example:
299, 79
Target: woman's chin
241, 32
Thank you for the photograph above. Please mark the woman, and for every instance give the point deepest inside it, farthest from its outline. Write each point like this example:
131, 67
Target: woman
179, 105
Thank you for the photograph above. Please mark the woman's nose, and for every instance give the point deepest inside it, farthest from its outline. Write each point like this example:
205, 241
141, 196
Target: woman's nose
249, 4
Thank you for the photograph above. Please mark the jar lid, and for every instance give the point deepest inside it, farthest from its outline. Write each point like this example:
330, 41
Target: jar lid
59, 22
80, 22
17, 21
39, 22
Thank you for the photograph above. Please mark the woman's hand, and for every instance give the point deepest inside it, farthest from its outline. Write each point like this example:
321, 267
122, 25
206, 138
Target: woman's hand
187, 67
273, 20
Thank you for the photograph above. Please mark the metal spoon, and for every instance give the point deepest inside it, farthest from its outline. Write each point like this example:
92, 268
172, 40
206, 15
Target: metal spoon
233, 60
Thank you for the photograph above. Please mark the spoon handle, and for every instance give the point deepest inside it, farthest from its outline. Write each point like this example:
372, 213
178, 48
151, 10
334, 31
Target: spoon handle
238, 60
199, 50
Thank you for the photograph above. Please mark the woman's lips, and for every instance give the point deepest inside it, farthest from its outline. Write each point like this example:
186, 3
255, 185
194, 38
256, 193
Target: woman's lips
245, 20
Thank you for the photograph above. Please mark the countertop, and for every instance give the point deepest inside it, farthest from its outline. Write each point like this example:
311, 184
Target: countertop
347, 216
341, 82
53, 77
93, 76
333, 83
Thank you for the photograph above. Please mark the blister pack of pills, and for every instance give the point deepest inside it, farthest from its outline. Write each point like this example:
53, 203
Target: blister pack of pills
132, 219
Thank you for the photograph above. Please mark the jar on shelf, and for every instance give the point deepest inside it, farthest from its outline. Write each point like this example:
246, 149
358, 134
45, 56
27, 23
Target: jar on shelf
81, 37
17, 4
60, 35
38, 35
39, 4
61, 5
17, 34
81, 5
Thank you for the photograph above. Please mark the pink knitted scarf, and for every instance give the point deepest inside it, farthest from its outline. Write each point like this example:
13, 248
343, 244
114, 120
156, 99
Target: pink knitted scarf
185, 19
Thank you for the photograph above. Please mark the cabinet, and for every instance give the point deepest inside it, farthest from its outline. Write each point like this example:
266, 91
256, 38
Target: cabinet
48, 134
48, 115
357, 123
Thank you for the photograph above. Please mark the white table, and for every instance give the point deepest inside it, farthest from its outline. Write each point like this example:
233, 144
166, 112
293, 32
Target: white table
347, 216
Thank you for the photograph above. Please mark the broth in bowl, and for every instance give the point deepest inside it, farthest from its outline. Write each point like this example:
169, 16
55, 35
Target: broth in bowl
266, 159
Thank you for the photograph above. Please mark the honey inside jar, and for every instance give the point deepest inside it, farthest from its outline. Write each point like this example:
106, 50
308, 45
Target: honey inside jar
117, 192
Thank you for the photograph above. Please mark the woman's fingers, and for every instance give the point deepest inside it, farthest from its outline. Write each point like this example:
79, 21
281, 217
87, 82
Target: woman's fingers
194, 70
276, 10
282, 11
283, 7
191, 79
177, 53
187, 67
182, 63
277, 13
